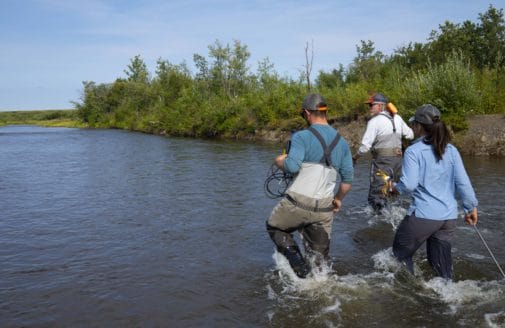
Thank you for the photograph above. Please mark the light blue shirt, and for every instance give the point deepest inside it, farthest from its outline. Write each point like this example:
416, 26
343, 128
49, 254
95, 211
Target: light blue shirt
305, 147
433, 185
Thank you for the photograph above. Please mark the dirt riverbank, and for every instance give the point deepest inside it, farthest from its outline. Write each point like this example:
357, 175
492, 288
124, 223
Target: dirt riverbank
484, 137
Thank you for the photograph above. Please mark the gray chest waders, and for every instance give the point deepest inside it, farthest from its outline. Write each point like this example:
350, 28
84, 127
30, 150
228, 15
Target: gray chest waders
315, 238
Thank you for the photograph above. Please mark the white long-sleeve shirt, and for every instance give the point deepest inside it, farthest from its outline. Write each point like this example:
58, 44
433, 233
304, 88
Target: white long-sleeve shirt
379, 133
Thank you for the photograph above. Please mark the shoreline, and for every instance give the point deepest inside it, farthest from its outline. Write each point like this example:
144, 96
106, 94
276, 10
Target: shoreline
484, 137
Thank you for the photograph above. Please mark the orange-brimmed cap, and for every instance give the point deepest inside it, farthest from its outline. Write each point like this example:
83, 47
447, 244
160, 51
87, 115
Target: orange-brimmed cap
377, 98
314, 101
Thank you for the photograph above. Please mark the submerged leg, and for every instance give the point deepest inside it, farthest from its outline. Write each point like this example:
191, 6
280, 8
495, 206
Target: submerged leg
406, 242
316, 238
296, 260
287, 246
438, 250
439, 257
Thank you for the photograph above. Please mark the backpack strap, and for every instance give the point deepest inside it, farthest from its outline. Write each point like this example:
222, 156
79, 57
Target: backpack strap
326, 159
391, 119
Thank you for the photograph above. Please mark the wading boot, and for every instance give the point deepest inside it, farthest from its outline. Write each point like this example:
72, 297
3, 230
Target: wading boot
296, 260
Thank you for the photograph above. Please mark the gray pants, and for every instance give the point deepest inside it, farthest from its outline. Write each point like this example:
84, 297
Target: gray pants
314, 227
392, 166
413, 232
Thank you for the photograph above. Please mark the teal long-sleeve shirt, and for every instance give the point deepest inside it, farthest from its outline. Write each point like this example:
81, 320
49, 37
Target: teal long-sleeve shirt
435, 185
305, 147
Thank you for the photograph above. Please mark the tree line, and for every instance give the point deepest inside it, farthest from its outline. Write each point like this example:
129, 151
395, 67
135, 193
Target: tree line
460, 69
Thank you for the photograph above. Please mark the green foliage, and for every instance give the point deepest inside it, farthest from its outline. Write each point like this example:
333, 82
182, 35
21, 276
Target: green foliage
492, 89
482, 43
137, 71
366, 65
460, 70
452, 87
42, 117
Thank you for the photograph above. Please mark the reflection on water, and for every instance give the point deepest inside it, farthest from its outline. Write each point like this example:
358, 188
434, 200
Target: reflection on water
112, 228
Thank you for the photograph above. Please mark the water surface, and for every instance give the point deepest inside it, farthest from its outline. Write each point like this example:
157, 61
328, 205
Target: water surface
104, 228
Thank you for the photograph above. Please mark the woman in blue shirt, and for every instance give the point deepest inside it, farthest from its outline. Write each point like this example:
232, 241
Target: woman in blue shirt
432, 173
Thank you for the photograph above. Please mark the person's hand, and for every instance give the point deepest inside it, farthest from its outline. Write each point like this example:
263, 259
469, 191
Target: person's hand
337, 204
279, 160
391, 188
472, 217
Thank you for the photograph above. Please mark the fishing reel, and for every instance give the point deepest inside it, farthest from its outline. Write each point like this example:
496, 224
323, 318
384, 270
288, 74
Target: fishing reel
278, 181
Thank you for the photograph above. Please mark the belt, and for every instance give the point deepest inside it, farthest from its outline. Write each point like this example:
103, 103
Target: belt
309, 208
387, 152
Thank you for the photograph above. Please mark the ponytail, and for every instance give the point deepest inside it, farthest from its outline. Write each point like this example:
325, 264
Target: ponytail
438, 136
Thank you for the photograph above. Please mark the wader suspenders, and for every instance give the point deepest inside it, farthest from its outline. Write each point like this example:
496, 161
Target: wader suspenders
326, 159
392, 121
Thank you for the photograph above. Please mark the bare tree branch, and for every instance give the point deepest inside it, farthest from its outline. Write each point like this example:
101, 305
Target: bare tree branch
308, 63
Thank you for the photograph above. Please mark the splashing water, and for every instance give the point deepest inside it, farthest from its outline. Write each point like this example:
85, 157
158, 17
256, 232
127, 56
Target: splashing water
385, 261
392, 215
495, 320
466, 292
330, 300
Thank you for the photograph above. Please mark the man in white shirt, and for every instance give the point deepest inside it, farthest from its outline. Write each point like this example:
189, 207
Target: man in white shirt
383, 137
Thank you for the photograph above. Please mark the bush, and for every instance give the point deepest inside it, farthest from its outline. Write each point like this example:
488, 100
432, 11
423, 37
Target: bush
451, 87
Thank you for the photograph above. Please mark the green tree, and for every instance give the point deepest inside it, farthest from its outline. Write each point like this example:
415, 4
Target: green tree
414, 56
229, 70
451, 86
334, 79
94, 102
491, 32
170, 81
137, 70
452, 37
367, 63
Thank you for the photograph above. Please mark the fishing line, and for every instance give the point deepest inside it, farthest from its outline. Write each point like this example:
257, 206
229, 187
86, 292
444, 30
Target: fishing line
489, 250
277, 182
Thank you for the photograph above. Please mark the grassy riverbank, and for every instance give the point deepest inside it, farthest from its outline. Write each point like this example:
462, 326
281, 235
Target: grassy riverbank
50, 117
485, 135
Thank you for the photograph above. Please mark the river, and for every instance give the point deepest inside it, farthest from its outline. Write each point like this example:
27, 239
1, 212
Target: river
108, 228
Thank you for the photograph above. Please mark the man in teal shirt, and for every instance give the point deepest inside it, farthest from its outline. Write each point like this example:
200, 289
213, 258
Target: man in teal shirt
317, 156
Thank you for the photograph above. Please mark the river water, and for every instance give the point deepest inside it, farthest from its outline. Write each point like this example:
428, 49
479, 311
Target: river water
107, 228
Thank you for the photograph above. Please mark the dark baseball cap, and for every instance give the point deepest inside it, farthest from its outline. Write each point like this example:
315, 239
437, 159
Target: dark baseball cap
314, 101
377, 98
426, 114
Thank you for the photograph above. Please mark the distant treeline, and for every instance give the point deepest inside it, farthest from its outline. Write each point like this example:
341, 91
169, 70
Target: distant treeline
460, 69
52, 117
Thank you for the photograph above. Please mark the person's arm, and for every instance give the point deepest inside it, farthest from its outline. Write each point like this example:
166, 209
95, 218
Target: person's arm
464, 189
409, 179
292, 162
346, 171
407, 132
367, 140
343, 189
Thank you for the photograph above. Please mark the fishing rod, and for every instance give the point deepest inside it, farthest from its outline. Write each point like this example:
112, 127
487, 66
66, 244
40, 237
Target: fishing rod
489, 250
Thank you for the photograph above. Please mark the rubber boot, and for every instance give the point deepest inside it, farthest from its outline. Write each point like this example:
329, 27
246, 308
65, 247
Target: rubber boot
296, 260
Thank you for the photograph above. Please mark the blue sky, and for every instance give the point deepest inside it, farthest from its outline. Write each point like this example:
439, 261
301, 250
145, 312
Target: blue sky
48, 47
